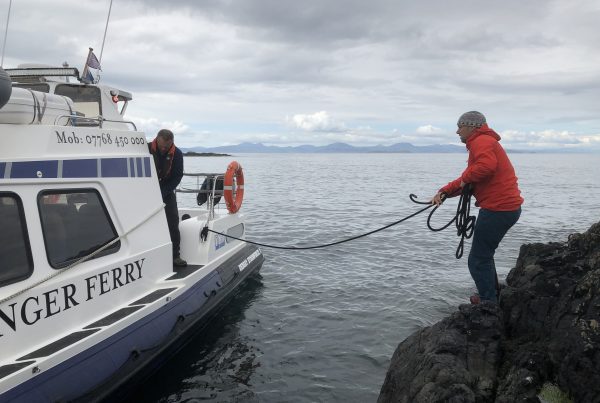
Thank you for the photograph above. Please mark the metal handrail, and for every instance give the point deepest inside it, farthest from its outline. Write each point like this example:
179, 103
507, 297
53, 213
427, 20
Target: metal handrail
198, 187
210, 192
185, 190
99, 119
212, 175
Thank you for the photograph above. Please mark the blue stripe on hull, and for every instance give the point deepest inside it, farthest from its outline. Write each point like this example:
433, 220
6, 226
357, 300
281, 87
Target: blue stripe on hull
82, 168
132, 167
114, 168
147, 170
139, 167
117, 360
34, 169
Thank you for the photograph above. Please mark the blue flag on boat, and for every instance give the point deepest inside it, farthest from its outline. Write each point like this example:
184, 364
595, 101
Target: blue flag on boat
88, 77
93, 61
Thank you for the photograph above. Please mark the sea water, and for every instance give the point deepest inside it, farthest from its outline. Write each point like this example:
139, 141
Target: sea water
322, 325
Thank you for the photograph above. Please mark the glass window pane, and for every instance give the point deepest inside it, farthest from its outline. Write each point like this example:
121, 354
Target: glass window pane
16, 263
75, 224
86, 99
35, 87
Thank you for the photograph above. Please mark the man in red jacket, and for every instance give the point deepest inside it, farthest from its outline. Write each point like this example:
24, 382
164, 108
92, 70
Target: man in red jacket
494, 183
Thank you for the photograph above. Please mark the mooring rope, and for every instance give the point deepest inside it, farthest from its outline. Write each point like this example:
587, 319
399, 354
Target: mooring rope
464, 222
205, 231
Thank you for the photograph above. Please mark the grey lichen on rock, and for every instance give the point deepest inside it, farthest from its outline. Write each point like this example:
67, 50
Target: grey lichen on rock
550, 393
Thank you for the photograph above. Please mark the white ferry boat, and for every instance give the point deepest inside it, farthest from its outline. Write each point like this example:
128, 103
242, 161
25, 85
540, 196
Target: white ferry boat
89, 300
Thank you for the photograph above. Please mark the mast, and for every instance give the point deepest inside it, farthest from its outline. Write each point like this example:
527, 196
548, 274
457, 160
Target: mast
6, 32
105, 29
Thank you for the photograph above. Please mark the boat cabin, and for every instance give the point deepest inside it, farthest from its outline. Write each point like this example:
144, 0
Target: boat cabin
94, 105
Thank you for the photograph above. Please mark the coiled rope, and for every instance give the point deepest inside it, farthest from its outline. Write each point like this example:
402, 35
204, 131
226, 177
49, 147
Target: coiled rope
464, 222
465, 225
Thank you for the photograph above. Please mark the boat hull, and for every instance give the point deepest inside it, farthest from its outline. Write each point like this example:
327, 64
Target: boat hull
128, 356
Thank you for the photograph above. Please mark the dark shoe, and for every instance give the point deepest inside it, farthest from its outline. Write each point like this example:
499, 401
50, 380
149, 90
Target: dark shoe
475, 300
179, 262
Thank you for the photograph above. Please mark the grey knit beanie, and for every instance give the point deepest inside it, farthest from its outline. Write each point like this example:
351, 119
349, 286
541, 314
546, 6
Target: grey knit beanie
472, 118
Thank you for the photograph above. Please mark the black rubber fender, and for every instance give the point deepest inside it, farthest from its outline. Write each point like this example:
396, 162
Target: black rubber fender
5, 87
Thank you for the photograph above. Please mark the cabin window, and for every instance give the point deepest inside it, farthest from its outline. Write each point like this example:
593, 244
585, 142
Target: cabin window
85, 99
75, 223
36, 87
16, 262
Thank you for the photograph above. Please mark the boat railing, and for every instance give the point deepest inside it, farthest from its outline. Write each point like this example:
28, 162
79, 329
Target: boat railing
208, 187
96, 121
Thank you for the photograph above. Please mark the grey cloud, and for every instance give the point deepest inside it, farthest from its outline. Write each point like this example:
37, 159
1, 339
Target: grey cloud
379, 64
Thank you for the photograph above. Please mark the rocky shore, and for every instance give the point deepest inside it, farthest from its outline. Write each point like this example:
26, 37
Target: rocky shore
546, 328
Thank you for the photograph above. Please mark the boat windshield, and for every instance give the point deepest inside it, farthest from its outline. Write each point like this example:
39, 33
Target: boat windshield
86, 98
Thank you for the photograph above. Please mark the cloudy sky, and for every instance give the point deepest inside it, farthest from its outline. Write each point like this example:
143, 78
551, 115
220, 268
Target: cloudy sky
282, 72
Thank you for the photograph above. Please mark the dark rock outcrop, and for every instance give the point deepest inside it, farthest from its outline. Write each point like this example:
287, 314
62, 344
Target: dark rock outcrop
458, 356
546, 328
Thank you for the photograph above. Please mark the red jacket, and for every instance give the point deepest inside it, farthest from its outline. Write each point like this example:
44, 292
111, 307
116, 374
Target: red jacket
490, 172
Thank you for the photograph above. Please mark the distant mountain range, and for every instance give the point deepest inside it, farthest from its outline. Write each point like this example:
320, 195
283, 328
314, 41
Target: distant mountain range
331, 148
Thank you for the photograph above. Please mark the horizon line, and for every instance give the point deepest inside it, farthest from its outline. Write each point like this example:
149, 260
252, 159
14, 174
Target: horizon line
455, 147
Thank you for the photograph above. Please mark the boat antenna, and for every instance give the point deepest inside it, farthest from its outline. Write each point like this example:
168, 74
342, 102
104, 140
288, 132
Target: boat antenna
6, 33
65, 65
105, 29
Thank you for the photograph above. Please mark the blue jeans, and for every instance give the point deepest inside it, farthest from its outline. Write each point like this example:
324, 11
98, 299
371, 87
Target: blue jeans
490, 228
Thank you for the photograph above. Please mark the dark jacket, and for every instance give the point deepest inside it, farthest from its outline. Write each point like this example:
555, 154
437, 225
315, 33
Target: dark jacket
169, 168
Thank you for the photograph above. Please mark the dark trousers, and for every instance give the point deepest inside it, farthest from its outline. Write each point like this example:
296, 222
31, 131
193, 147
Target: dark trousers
172, 213
490, 228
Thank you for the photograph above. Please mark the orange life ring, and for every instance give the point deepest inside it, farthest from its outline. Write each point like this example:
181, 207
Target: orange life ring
233, 193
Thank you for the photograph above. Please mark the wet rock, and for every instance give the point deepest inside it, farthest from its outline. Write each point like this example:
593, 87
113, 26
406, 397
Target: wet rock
562, 321
455, 360
546, 328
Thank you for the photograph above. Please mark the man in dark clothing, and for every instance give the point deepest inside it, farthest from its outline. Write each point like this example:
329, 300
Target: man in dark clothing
168, 160
494, 184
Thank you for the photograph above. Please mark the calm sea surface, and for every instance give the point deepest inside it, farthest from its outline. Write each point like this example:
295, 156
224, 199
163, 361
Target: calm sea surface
322, 325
